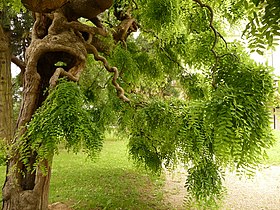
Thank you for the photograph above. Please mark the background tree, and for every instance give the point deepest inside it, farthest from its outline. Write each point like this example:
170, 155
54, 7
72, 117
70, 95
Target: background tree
15, 26
191, 97
6, 117
5, 84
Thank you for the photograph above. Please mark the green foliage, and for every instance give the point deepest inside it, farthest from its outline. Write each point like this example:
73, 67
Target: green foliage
102, 103
61, 119
8, 9
187, 105
263, 29
227, 126
160, 13
205, 182
195, 85
155, 133
216, 112
20, 32
14, 4
18, 22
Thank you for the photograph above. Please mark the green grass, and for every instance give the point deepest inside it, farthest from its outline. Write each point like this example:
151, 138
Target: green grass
274, 152
109, 182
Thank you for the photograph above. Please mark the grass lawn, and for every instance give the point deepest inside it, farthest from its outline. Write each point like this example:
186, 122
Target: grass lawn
274, 152
109, 182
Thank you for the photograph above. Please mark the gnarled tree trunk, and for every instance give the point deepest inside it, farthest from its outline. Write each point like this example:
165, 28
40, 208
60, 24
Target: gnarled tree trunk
25, 189
54, 40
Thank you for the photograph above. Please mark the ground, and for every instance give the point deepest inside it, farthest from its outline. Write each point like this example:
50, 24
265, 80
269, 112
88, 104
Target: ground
259, 193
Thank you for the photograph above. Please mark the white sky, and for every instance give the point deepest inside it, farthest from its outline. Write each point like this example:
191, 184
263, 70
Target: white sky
15, 70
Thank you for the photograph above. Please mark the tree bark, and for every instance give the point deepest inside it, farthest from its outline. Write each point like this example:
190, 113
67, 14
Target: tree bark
6, 103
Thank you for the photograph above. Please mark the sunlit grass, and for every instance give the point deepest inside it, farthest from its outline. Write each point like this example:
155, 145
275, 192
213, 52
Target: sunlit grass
274, 152
109, 182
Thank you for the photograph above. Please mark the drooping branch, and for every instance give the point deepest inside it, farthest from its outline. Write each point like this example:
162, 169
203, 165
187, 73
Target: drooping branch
114, 70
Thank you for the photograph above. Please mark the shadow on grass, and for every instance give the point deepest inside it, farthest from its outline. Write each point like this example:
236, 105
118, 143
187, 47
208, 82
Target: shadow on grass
110, 182
106, 189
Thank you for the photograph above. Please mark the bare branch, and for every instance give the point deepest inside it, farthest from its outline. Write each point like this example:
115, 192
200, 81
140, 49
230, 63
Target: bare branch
125, 28
61, 72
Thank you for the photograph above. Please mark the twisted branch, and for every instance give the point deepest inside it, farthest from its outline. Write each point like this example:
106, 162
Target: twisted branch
21, 64
114, 70
202, 5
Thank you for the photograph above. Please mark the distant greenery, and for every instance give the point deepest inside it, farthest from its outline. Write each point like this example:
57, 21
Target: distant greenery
274, 152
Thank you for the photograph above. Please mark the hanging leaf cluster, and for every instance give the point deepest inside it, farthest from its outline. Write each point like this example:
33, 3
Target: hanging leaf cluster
229, 127
62, 119
263, 29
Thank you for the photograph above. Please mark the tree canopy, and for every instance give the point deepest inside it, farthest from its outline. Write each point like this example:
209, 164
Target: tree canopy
188, 95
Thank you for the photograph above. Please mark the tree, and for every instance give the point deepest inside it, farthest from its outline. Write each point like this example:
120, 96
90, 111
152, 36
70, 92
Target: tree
194, 98
10, 33
6, 117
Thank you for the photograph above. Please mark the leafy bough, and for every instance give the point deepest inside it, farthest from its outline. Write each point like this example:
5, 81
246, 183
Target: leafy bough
62, 119
230, 128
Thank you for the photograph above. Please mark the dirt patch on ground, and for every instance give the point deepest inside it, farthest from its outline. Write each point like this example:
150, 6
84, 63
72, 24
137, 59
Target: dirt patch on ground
259, 193
58, 206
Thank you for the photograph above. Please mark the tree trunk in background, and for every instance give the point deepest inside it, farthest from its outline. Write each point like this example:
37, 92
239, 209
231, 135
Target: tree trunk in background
6, 105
